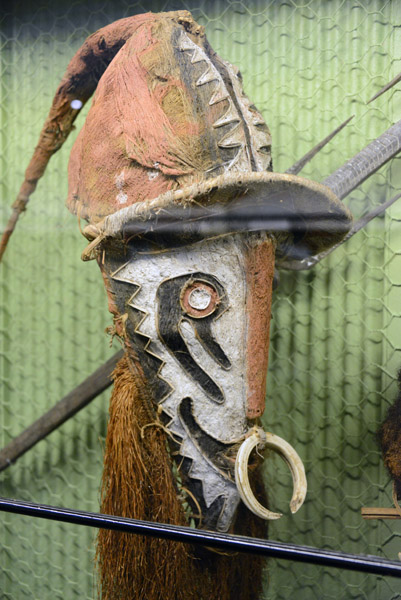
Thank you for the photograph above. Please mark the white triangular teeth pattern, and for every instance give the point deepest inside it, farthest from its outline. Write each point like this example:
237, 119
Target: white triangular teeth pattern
234, 139
258, 137
188, 450
209, 75
219, 95
213, 484
258, 120
229, 165
211, 481
185, 43
197, 470
141, 327
144, 328
261, 139
198, 55
169, 405
176, 427
230, 116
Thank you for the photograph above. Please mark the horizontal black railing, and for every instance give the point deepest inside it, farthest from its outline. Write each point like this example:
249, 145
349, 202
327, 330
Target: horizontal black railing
304, 554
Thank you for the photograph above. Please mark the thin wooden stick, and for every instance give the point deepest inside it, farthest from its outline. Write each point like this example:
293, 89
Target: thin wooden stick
67, 407
388, 86
299, 165
384, 513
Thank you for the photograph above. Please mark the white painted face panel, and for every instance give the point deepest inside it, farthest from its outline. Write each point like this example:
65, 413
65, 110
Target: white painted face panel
221, 258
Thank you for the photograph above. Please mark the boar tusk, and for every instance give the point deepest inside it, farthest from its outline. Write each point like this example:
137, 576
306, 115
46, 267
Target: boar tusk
262, 439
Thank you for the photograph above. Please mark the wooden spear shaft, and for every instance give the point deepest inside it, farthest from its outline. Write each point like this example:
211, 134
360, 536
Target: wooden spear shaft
67, 407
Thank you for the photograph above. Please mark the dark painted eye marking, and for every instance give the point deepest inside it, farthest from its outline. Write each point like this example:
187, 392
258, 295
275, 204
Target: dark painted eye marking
197, 298
213, 450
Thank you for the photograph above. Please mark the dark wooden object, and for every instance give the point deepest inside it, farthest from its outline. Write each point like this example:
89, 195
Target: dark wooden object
68, 406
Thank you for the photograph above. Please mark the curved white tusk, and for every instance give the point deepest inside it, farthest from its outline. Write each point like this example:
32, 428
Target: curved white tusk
261, 438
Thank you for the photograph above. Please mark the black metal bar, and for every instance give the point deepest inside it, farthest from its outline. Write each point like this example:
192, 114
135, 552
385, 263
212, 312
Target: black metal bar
304, 554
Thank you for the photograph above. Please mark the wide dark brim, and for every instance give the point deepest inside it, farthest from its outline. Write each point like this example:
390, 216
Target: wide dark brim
306, 217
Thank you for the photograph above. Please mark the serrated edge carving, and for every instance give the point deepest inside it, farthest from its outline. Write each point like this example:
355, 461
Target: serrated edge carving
258, 139
209, 75
235, 137
210, 490
230, 116
230, 140
145, 313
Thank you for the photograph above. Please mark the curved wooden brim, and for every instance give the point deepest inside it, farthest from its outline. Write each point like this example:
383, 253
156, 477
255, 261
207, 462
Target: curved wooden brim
306, 217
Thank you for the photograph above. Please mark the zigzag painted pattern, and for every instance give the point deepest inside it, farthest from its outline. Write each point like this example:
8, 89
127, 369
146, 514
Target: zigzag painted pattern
214, 485
259, 138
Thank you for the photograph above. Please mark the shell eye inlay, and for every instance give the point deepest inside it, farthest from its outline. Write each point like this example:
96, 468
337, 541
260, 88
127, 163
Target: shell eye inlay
199, 299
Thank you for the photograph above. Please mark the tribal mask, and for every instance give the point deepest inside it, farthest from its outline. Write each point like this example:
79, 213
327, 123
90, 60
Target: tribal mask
197, 317
172, 169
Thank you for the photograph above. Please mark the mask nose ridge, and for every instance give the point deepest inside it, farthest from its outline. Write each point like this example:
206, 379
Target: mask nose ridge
259, 265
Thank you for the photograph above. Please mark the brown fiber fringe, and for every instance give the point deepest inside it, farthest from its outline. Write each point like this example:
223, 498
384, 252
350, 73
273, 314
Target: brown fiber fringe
138, 483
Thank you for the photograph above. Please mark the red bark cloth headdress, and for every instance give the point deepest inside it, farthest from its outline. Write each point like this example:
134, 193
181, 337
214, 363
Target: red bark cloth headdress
170, 130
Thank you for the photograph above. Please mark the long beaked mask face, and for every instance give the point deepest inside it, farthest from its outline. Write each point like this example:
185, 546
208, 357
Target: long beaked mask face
178, 135
197, 317
193, 309
171, 133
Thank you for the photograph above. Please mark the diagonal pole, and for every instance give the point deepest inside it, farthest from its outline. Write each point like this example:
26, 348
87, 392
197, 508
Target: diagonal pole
66, 408
299, 165
361, 166
304, 554
384, 89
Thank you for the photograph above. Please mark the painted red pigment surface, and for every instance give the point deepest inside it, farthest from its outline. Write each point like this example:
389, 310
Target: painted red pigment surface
142, 132
259, 276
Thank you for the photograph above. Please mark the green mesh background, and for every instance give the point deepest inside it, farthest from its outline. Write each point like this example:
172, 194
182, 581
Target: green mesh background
336, 335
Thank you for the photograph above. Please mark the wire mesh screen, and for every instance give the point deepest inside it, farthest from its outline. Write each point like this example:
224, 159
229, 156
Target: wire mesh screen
336, 330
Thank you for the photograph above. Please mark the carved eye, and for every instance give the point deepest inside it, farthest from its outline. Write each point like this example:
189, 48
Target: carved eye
199, 299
